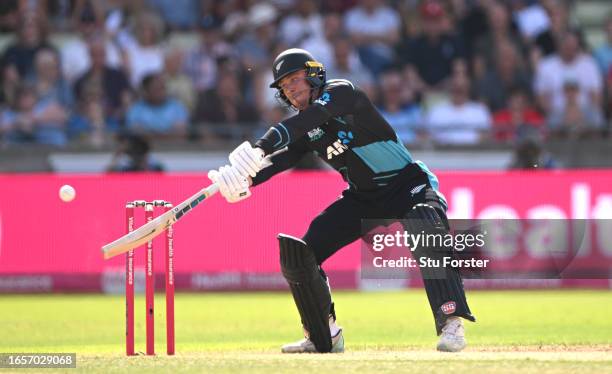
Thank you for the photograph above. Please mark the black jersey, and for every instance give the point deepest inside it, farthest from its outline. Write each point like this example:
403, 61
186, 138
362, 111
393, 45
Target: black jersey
343, 128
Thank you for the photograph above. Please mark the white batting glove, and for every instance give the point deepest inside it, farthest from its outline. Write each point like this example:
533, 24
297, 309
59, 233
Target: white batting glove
247, 160
232, 185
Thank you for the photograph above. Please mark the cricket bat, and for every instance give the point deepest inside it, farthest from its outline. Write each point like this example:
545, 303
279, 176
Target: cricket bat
151, 229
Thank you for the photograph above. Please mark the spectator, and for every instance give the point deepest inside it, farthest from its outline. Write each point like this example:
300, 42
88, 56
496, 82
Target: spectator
320, 46
112, 83
30, 120
223, 112
177, 14
575, 117
530, 17
50, 85
399, 109
461, 121
20, 54
179, 85
10, 83
494, 87
90, 123
201, 63
435, 54
547, 41
347, 65
75, 54
254, 47
374, 29
603, 54
156, 113
529, 155
144, 54
305, 23
133, 155
569, 64
500, 32
517, 117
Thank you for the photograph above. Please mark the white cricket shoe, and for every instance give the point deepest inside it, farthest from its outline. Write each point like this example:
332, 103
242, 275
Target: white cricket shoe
306, 346
452, 338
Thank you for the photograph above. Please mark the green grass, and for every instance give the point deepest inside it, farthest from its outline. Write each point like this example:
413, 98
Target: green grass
527, 331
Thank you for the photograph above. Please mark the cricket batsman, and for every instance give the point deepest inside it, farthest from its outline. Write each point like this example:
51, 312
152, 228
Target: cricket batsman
337, 121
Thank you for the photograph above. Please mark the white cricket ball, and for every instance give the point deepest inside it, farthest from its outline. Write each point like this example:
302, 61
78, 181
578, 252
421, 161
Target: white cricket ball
67, 193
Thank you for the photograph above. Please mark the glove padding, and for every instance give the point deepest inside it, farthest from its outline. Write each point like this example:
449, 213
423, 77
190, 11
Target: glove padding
247, 160
232, 185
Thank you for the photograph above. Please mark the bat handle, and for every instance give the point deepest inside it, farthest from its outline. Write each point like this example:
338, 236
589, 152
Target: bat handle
211, 190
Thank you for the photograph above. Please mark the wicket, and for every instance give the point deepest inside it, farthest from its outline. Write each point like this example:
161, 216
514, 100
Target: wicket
149, 281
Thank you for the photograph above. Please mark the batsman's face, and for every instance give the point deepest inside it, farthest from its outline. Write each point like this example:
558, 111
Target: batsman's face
296, 88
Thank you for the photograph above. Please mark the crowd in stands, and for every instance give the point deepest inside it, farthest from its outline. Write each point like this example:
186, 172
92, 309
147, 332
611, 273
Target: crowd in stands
448, 72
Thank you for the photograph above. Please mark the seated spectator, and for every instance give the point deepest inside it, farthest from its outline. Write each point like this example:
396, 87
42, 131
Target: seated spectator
144, 53
31, 120
461, 121
374, 29
20, 54
133, 155
603, 54
111, 82
50, 85
75, 55
200, 63
320, 46
179, 85
305, 23
436, 53
516, 118
494, 87
399, 109
570, 63
256, 43
222, 112
346, 65
90, 123
499, 32
157, 114
575, 117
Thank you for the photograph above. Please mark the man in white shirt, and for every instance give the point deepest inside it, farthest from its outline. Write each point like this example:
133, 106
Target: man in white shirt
460, 121
569, 64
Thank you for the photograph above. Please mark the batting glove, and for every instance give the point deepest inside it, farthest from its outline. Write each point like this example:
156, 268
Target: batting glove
247, 160
232, 185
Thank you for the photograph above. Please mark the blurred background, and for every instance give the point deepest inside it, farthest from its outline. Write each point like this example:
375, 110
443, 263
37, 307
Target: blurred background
117, 85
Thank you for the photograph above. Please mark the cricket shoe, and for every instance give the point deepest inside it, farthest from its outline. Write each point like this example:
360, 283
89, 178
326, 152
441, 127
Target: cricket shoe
307, 346
452, 338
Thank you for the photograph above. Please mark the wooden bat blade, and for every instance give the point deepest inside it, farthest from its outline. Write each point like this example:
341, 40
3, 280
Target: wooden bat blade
150, 230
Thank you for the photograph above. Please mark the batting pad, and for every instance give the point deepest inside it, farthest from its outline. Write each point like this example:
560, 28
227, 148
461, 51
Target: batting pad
309, 289
443, 285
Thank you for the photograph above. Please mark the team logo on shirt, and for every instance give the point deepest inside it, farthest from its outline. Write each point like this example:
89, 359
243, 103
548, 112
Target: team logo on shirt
315, 134
345, 136
323, 100
336, 149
